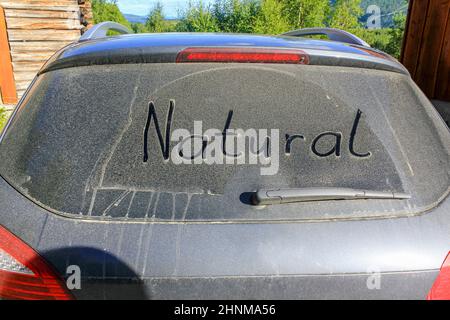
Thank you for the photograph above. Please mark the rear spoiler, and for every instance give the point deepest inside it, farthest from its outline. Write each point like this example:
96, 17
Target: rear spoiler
100, 30
351, 51
331, 33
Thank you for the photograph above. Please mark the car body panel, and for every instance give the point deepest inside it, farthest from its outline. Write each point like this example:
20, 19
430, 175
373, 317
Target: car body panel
163, 48
386, 256
413, 248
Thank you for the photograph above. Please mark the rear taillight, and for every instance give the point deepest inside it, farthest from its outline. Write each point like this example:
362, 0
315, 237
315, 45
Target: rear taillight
243, 55
26, 275
441, 286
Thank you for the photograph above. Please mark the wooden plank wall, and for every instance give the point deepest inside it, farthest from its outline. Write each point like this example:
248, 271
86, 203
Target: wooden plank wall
37, 29
426, 47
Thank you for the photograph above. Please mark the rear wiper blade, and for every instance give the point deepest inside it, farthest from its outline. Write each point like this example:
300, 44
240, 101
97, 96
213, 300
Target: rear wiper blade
278, 196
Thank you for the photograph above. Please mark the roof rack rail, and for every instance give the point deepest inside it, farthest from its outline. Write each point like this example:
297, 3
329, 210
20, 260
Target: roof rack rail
100, 30
331, 33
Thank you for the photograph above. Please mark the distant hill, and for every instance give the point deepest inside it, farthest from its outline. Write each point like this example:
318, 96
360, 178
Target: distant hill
135, 18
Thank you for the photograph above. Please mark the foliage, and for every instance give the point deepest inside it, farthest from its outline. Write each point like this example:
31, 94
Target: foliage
388, 40
270, 19
306, 13
104, 10
345, 14
376, 38
394, 46
3, 118
236, 15
198, 18
139, 28
156, 21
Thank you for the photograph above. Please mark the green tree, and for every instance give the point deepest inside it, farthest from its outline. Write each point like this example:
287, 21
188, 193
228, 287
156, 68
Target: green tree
104, 10
345, 14
395, 44
376, 38
388, 40
155, 20
139, 27
270, 19
236, 15
3, 118
306, 13
197, 18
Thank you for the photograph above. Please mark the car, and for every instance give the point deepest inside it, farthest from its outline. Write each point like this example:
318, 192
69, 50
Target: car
224, 166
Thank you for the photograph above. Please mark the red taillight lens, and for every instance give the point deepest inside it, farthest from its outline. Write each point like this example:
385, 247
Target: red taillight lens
441, 286
243, 55
26, 275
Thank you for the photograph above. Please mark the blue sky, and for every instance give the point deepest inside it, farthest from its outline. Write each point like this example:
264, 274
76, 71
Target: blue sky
143, 7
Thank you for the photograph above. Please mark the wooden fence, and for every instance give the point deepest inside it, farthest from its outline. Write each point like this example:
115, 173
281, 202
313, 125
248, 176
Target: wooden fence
35, 30
426, 47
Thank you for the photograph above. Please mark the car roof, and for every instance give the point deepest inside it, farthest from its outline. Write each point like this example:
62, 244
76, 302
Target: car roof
163, 48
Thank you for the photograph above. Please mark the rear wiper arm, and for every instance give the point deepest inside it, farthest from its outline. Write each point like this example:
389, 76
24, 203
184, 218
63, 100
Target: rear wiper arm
278, 196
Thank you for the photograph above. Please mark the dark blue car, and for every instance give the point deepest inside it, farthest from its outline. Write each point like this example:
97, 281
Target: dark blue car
221, 166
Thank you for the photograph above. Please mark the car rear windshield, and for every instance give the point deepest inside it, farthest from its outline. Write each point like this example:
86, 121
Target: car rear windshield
191, 142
